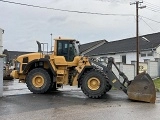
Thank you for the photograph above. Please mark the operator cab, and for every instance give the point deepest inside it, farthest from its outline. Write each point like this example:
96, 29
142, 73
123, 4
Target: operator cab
69, 48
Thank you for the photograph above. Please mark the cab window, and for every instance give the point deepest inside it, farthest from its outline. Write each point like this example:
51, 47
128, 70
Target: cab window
66, 48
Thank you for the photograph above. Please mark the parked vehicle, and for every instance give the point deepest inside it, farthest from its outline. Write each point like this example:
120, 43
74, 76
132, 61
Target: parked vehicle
7, 69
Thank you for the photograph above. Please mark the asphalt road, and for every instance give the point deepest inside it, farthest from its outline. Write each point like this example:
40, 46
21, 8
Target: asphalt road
70, 103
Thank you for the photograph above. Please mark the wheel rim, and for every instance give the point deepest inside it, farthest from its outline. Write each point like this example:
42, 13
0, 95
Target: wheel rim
38, 81
93, 83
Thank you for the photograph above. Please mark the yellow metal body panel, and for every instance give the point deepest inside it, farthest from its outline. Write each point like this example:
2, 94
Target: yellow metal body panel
83, 61
74, 62
22, 77
32, 56
15, 74
59, 64
59, 60
61, 72
75, 82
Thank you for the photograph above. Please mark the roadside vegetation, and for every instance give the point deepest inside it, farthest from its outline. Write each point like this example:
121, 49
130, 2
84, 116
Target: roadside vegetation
157, 84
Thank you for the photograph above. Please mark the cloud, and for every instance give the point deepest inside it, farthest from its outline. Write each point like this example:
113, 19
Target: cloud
55, 19
24, 25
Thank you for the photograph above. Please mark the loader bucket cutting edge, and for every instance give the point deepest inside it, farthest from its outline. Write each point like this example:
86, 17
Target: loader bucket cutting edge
142, 88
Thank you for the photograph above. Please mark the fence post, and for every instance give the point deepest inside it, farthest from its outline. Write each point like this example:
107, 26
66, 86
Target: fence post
148, 66
134, 63
158, 60
121, 69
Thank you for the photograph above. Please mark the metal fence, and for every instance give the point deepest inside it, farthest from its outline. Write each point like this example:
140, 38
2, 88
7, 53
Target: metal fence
151, 67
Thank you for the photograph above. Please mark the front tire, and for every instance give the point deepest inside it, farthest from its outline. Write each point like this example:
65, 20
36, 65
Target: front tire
94, 84
53, 87
38, 80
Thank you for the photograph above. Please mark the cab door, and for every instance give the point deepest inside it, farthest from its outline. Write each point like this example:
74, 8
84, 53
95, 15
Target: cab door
66, 48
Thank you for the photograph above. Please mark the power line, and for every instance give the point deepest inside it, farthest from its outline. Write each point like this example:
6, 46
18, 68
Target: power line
153, 7
151, 4
72, 11
150, 19
141, 18
64, 10
147, 24
157, 11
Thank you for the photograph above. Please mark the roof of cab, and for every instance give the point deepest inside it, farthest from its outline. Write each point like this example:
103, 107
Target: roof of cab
60, 38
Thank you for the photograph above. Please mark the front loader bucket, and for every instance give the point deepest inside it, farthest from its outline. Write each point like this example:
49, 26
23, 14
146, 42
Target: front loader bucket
142, 88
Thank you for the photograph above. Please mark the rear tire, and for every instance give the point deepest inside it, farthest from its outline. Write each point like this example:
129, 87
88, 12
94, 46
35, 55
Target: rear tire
94, 84
38, 80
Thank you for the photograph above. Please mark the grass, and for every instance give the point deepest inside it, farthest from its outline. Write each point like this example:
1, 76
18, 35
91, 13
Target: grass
157, 83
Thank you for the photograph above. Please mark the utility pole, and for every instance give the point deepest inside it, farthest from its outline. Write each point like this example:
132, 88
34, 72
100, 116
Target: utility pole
137, 33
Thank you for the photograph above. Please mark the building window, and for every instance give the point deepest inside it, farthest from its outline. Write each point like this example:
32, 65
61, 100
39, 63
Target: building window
143, 54
124, 59
150, 54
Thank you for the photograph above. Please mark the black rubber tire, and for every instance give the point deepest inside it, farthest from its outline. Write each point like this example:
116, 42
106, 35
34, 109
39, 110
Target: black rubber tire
47, 80
109, 88
52, 87
104, 85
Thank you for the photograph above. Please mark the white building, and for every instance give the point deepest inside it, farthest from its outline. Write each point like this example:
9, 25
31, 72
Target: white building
125, 50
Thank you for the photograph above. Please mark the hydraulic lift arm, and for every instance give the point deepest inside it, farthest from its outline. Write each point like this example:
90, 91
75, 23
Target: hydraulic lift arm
141, 88
113, 80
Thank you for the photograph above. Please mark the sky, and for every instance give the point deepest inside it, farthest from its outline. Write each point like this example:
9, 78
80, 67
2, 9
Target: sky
24, 25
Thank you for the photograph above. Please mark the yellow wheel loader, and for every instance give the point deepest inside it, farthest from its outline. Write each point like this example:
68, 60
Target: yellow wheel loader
44, 71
